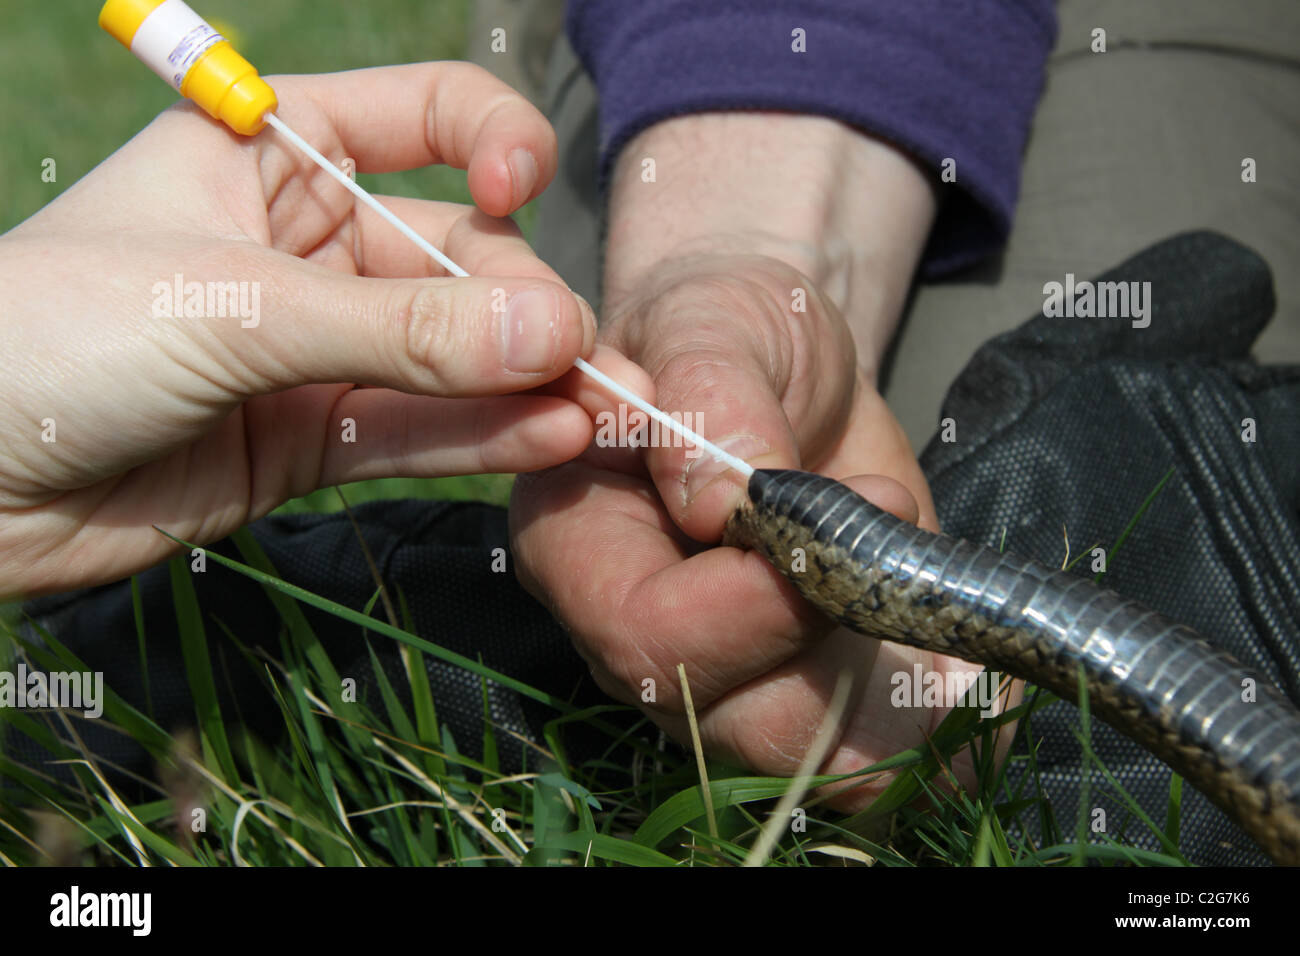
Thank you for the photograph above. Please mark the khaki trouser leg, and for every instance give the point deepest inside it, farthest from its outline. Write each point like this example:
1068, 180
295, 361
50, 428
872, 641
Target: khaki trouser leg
1129, 147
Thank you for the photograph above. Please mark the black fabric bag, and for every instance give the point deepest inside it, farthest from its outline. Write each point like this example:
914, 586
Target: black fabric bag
1073, 422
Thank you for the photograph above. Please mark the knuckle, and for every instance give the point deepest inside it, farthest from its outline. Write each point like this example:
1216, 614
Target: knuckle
695, 368
635, 659
429, 334
724, 312
470, 72
776, 742
625, 677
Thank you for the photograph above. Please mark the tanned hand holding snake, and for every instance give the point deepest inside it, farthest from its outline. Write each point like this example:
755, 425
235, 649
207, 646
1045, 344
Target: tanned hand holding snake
699, 293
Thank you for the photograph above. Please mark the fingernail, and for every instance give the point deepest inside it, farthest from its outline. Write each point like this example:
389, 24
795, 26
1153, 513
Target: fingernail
530, 340
588, 324
523, 173
700, 471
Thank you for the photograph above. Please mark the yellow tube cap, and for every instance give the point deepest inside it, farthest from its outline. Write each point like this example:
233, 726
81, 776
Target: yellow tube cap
183, 49
228, 88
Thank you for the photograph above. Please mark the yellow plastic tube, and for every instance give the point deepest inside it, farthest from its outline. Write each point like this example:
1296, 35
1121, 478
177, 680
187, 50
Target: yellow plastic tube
178, 45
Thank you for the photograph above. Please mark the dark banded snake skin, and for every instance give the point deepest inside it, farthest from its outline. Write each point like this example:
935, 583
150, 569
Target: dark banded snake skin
1150, 678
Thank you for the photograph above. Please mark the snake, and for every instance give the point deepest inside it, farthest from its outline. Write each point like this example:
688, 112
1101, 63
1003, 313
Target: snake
1222, 726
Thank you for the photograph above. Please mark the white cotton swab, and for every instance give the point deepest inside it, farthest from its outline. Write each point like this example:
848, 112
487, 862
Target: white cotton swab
581, 364
365, 197
668, 421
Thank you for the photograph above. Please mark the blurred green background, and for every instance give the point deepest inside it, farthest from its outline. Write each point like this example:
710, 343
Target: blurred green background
71, 92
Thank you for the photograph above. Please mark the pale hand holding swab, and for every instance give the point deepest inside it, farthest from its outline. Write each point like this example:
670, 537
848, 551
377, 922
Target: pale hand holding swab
581, 364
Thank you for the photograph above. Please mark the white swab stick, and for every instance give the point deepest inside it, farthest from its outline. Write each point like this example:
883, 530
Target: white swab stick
667, 420
365, 197
581, 364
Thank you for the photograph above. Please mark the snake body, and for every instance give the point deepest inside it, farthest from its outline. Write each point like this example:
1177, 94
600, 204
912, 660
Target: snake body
1150, 678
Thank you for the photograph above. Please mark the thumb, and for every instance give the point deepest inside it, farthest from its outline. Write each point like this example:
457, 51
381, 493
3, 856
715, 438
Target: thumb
450, 337
730, 401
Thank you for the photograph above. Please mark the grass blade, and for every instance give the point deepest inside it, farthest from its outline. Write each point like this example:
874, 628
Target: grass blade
387, 630
198, 669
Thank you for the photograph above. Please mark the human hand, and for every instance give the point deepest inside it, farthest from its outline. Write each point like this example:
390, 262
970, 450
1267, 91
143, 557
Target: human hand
117, 418
638, 595
615, 542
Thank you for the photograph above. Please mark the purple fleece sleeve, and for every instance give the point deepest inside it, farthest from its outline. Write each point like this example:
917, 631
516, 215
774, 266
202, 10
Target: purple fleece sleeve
939, 78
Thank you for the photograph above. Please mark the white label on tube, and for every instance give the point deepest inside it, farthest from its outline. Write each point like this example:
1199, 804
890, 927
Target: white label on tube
171, 39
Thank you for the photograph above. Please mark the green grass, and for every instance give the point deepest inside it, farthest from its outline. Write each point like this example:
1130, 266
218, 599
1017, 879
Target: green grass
379, 782
70, 91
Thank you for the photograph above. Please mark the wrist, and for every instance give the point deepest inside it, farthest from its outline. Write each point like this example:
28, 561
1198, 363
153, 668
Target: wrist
849, 212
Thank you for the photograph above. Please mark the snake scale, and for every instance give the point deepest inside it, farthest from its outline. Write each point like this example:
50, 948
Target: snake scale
1152, 679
